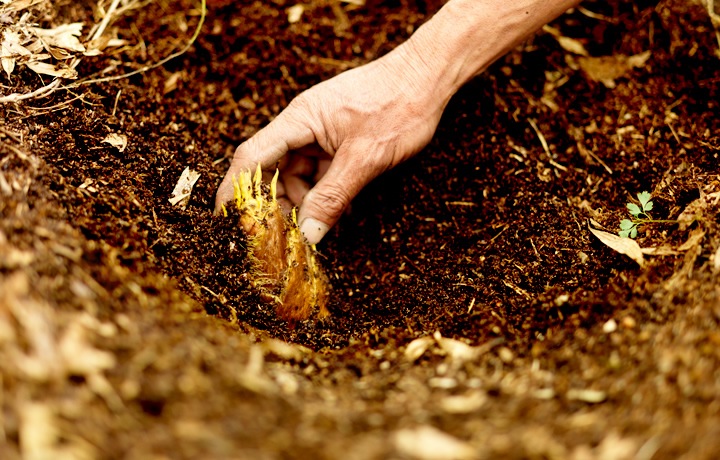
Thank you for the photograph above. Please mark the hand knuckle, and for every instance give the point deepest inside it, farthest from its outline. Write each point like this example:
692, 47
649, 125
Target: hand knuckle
332, 200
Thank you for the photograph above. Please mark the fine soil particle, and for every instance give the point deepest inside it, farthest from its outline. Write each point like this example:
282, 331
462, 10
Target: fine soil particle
473, 315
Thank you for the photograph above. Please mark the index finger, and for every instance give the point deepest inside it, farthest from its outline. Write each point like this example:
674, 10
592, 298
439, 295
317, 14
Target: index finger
266, 147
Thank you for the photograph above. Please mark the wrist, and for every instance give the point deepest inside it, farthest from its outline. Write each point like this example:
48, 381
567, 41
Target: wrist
466, 36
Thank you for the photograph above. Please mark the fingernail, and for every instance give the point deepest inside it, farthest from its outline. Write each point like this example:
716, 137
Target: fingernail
313, 230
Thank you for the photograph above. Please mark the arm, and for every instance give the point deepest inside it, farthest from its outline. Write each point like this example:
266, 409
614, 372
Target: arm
373, 117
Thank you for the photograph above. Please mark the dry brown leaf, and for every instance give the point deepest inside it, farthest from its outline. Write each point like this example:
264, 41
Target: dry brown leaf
35, 48
183, 189
660, 251
12, 48
64, 37
8, 64
697, 209
19, 5
118, 141
693, 240
607, 69
59, 53
97, 46
52, 70
626, 246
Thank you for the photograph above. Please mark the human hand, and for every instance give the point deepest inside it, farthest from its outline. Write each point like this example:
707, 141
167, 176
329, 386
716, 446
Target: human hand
363, 121
373, 117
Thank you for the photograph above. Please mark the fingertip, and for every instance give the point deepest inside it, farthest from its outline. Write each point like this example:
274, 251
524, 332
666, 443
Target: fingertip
313, 230
224, 193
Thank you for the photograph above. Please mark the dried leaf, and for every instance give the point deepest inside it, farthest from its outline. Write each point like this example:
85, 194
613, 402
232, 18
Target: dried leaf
660, 251
693, 240
36, 47
65, 37
697, 209
607, 69
8, 65
626, 246
116, 140
52, 70
19, 5
11, 257
183, 189
58, 53
114, 42
98, 45
12, 45
95, 47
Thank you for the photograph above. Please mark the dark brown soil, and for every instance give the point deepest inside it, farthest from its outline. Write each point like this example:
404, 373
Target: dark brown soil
128, 327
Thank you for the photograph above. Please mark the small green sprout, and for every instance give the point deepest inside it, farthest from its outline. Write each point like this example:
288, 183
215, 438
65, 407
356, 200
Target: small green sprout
639, 216
647, 205
628, 227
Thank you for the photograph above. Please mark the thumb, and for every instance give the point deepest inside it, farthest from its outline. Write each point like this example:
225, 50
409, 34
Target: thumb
266, 147
324, 204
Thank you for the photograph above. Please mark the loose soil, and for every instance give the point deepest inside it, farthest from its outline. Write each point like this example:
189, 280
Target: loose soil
129, 327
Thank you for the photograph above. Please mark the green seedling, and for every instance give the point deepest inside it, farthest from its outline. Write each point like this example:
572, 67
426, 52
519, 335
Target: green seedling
639, 216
